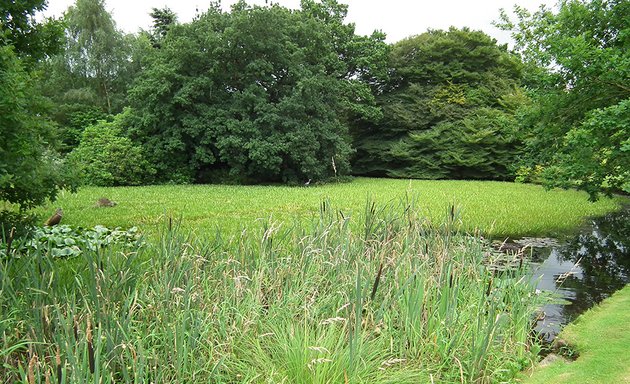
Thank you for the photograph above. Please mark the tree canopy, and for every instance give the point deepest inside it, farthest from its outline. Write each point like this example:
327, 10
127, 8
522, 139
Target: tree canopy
267, 94
31, 40
29, 170
447, 110
258, 94
578, 75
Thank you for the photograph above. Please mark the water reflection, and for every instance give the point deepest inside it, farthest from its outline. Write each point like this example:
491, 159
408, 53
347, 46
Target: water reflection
585, 270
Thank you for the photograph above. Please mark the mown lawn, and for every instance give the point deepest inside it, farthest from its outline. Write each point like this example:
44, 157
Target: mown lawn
498, 209
601, 337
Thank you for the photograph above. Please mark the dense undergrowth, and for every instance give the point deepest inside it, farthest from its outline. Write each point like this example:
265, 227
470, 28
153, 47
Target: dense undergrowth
402, 300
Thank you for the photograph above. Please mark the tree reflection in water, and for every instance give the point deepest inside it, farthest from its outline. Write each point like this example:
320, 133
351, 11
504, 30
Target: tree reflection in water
604, 259
603, 253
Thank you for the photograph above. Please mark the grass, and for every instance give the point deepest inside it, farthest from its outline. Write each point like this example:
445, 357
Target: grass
498, 209
391, 292
394, 299
601, 336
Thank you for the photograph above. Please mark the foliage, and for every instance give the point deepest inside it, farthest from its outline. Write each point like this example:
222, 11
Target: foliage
88, 80
399, 300
79, 116
448, 110
596, 154
14, 225
496, 209
106, 158
96, 52
32, 40
29, 172
260, 94
66, 241
163, 20
578, 73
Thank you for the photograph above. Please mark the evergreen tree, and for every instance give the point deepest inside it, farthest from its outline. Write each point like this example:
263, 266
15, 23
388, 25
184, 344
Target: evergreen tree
447, 110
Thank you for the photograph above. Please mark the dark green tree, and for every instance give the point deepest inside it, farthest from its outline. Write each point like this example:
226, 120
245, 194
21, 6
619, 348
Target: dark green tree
31, 40
163, 20
447, 110
259, 94
578, 74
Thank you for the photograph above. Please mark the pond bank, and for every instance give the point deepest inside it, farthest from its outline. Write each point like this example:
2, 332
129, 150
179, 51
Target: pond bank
601, 337
583, 270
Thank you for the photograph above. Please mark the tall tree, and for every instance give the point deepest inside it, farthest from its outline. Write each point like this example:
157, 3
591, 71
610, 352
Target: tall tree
259, 94
579, 71
96, 52
88, 80
447, 110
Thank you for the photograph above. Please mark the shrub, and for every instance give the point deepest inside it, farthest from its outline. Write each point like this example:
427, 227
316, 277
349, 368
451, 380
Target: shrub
107, 158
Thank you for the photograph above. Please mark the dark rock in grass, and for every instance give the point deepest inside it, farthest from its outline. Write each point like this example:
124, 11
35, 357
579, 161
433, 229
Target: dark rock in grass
105, 202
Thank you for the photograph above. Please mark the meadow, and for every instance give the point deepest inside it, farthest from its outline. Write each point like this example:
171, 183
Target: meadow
373, 281
497, 209
400, 300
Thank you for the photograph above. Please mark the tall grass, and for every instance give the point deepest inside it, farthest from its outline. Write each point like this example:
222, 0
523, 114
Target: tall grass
498, 209
403, 300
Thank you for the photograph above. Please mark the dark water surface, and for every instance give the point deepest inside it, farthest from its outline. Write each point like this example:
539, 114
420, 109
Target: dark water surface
584, 270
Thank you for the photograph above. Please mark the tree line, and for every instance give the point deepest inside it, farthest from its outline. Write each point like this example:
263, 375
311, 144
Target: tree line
267, 94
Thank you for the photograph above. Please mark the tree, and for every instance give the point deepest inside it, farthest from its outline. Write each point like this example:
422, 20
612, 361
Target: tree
448, 110
259, 94
31, 40
88, 79
29, 172
163, 20
96, 52
579, 70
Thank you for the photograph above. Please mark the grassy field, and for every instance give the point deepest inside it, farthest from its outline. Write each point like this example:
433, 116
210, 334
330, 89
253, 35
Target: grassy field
324, 287
601, 337
498, 209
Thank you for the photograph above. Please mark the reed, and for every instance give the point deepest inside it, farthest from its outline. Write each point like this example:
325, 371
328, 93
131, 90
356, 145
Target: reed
383, 297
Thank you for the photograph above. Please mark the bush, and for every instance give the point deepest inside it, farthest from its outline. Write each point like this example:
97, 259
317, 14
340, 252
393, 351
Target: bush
28, 176
107, 158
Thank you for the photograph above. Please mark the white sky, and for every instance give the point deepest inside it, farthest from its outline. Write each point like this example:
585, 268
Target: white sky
397, 18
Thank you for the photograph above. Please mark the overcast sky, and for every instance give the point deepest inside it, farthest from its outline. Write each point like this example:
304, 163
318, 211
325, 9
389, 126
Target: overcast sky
397, 18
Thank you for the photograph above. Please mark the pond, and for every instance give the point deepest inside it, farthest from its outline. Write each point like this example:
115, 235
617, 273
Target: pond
583, 270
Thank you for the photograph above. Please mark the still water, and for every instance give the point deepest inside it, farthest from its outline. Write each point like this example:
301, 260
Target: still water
583, 270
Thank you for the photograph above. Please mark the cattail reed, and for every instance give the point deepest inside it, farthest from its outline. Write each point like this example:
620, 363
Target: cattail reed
376, 282
90, 346
31, 369
426, 304
58, 365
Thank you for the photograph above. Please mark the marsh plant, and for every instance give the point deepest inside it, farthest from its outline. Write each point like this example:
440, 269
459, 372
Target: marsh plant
402, 300
66, 240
